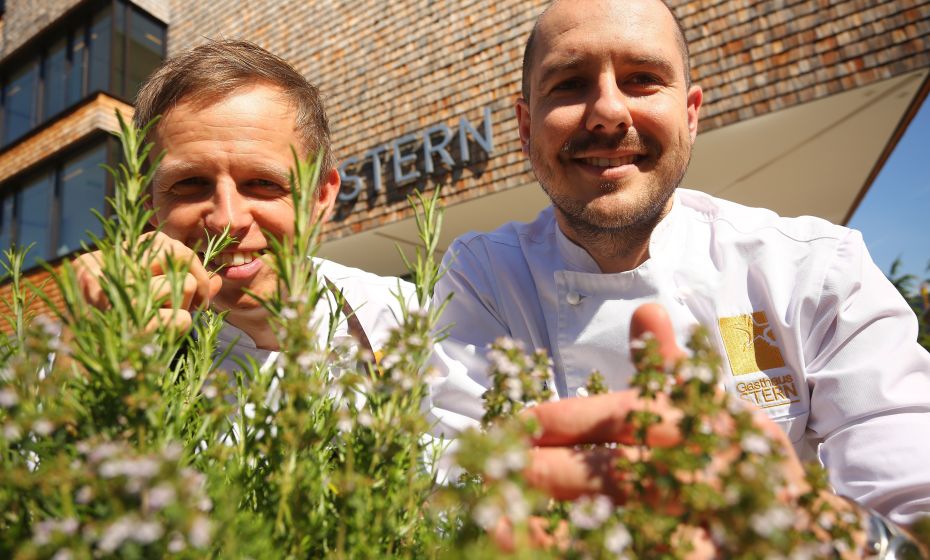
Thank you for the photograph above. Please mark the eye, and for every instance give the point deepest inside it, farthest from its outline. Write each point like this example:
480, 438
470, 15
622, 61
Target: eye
644, 80
267, 186
190, 186
568, 84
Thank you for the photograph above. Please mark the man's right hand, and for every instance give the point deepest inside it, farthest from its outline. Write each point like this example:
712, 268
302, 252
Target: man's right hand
198, 288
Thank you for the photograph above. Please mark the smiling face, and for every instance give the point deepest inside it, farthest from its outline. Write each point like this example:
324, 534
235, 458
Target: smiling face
226, 164
611, 120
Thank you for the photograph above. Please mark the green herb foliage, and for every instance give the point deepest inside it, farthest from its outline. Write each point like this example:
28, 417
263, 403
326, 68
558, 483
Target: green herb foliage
121, 438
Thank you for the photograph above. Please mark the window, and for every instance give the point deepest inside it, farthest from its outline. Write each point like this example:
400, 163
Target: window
146, 47
32, 216
99, 52
6, 222
83, 187
78, 64
111, 46
19, 101
53, 208
55, 77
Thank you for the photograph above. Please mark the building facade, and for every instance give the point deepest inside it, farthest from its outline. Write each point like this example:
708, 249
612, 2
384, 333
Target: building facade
804, 100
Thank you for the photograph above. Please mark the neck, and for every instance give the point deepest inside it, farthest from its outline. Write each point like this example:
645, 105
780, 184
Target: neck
613, 249
255, 324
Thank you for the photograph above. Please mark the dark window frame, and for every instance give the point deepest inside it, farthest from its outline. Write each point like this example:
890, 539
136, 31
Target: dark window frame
55, 166
75, 25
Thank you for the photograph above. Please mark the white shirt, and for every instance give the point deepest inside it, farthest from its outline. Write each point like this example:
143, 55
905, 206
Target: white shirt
372, 298
809, 328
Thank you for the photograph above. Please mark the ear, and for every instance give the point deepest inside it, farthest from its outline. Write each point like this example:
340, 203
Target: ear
695, 98
326, 194
522, 108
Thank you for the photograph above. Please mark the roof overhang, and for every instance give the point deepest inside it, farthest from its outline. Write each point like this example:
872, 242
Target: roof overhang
816, 159
811, 159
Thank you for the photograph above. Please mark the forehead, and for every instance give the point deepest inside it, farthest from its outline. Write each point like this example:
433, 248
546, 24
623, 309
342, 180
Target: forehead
247, 111
580, 28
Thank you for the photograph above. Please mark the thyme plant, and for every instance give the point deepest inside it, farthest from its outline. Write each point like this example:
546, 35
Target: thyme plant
676, 501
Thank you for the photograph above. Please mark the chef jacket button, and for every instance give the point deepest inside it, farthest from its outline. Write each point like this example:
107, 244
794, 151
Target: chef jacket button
581, 392
573, 298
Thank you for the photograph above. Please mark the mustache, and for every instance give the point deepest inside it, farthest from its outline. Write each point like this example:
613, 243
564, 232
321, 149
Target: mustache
627, 140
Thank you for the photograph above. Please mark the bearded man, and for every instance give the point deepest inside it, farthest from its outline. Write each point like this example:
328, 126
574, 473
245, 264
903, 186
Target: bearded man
809, 328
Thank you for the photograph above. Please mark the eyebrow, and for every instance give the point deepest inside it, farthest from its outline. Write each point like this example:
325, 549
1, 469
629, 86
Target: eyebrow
663, 64
185, 169
575, 61
276, 172
180, 168
559, 66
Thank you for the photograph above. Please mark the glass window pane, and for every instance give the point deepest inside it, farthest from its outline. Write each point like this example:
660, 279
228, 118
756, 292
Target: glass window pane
34, 215
119, 42
99, 75
19, 97
56, 79
146, 45
6, 222
78, 63
83, 186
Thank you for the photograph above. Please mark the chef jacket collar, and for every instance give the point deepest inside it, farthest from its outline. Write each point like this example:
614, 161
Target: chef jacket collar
577, 259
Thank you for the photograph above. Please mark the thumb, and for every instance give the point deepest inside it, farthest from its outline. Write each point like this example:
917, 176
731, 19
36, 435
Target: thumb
653, 318
216, 282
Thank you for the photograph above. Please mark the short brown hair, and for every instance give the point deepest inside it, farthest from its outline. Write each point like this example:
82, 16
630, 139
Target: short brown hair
214, 70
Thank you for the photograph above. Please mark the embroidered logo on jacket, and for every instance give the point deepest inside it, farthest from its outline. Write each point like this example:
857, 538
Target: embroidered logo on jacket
752, 350
750, 343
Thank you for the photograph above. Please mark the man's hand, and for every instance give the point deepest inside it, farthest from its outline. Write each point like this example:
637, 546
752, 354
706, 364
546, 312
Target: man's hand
198, 287
567, 473
563, 468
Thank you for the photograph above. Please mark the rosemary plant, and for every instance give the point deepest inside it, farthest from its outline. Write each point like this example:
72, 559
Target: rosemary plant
120, 437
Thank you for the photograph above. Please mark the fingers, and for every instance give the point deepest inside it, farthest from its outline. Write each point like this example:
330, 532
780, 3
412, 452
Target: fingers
603, 419
567, 474
538, 532
540, 537
178, 320
161, 288
702, 546
206, 286
87, 269
199, 286
653, 318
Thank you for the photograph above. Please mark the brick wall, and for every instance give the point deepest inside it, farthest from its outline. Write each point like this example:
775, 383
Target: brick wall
391, 68
755, 57
24, 18
42, 280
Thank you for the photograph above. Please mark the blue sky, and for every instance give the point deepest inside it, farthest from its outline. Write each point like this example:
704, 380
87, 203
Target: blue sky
894, 216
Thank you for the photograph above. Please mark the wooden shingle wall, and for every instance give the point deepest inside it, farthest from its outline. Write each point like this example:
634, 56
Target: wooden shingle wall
393, 68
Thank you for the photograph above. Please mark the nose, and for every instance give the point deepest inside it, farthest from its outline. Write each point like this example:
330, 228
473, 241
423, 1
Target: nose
230, 208
608, 111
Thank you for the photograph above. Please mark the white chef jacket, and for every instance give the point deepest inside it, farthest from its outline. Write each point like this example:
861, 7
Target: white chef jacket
810, 330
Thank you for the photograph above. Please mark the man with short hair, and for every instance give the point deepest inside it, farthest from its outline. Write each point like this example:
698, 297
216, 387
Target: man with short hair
230, 114
809, 328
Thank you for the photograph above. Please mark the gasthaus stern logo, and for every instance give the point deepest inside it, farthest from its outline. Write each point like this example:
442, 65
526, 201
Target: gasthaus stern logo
432, 153
752, 348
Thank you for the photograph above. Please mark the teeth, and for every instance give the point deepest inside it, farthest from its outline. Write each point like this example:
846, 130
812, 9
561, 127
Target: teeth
610, 162
233, 259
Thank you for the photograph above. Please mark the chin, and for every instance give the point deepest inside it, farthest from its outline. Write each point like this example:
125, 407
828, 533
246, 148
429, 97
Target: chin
240, 303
